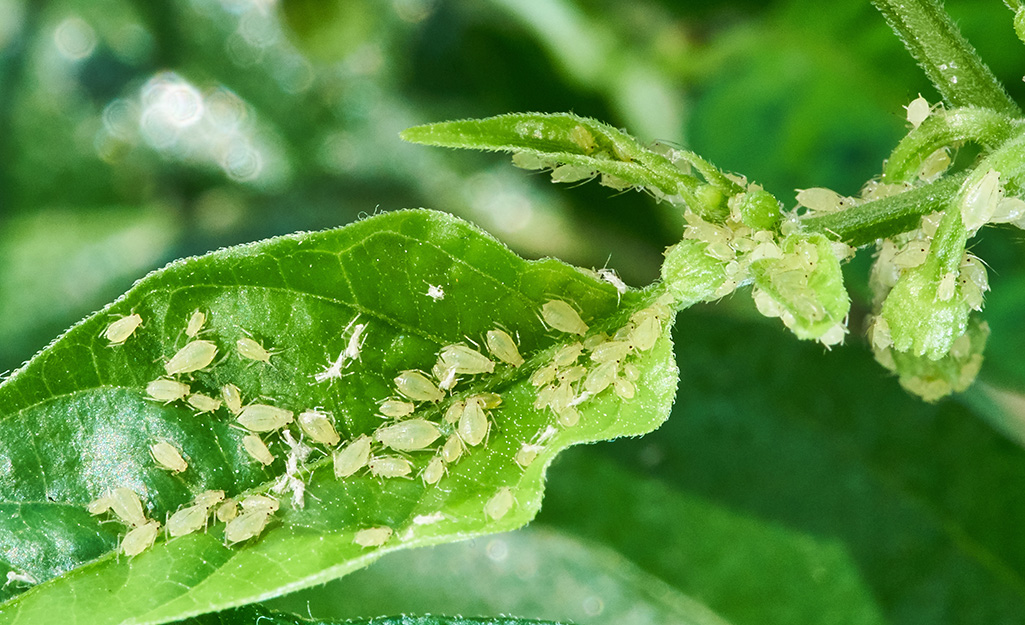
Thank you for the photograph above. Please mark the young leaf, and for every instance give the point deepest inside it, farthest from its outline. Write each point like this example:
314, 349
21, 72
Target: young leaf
341, 313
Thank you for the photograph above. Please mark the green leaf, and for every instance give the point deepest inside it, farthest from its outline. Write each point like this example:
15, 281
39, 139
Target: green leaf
263, 616
76, 421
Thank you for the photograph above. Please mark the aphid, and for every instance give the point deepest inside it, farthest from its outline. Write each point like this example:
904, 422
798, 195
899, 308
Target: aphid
409, 435
568, 416
544, 375
526, 160
581, 136
434, 471
570, 375
126, 505
645, 334
227, 511
260, 502
247, 525
502, 347
203, 403
209, 498
561, 316
264, 418
352, 457
140, 539
196, 323
624, 388
600, 377
389, 466
232, 398
445, 375
121, 329
981, 200
500, 504
544, 397
934, 165
911, 255
101, 504
488, 400
571, 173
454, 411
879, 334
466, 360
373, 536
473, 423
610, 276
1010, 210
250, 349
418, 387
257, 449
595, 340
396, 409
820, 199
918, 111
187, 520
947, 287
631, 372
168, 457
435, 292
193, 357
452, 449
834, 335
166, 390
317, 426
567, 355
526, 455
610, 351
973, 280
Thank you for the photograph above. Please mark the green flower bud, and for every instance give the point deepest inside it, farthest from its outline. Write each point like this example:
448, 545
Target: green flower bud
690, 275
758, 209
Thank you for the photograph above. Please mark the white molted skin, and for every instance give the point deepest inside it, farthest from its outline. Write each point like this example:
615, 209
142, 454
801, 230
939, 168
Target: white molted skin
561, 316
120, 330
194, 356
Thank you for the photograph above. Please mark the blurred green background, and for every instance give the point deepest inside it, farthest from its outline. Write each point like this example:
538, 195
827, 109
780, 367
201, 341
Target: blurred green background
135, 132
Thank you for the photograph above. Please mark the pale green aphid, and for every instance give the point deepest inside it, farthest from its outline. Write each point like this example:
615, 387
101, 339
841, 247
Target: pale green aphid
389, 466
571, 374
434, 471
582, 137
127, 506
544, 375
121, 329
567, 355
610, 351
454, 411
418, 387
396, 409
473, 423
934, 165
188, 520
194, 356
1010, 210
822, 200
561, 316
601, 377
834, 335
500, 504
568, 416
981, 200
973, 280
101, 504
168, 457
264, 418
644, 335
526, 455
232, 398
624, 388
947, 287
911, 255
195, 324
527, 160
166, 390
373, 536
452, 449
918, 111
209, 498
503, 347
251, 350
572, 173
318, 427
140, 539
249, 524
544, 397
879, 333
410, 435
203, 403
257, 449
466, 360
227, 511
352, 457
488, 400
260, 502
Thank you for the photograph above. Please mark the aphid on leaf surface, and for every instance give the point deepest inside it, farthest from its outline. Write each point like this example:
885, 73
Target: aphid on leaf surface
260, 502
257, 449
918, 111
232, 398
168, 457
126, 505
352, 457
249, 524
544, 375
466, 360
568, 416
500, 504
610, 351
209, 498
140, 539
264, 418
194, 356
409, 435
227, 511
624, 388
434, 471
934, 165
981, 200
879, 334
544, 397
631, 372
570, 375
502, 347
203, 403
166, 390
595, 340
561, 316
572, 173
418, 387
452, 449
834, 335
488, 400
645, 334
251, 350
454, 411
373, 536
101, 504
600, 377
822, 200
196, 323
396, 409
121, 329
582, 137
567, 355
389, 466
526, 455
947, 287
187, 520
473, 423
318, 427
911, 255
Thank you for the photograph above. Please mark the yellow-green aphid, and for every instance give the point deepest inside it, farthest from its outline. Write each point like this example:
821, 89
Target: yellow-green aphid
194, 356
645, 333
203, 403
581, 136
166, 390
820, 199
500, 504
544, 375
373, 536
257, 449
168, 457
595, 340
227, 511
601, 377
567, 355
126, 505
981, 200
947, 287
454, 411
209, 498
502, 347
918, 111
389, 466
260, 502
396, 409
232, 398
101, 504
264, 418
611, 351
140, 539
544, 397
121, 329
488, 400
409, 435
251, 350
571, 374
466, 360
561, 316
418, 387
624, 388
526, 455
452, 449
249, 524
473, 423
352, 457
195, 324
567, 416
318, 427
434, 471
911, 255
193, 518
934, 165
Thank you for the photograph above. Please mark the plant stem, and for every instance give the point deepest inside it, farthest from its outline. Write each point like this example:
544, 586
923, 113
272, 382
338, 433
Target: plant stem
949, 61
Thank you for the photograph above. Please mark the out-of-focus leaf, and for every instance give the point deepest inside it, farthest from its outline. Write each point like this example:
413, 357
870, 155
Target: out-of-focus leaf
259, 615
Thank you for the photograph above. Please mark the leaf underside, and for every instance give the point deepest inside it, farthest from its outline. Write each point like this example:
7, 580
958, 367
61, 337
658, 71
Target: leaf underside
76, 420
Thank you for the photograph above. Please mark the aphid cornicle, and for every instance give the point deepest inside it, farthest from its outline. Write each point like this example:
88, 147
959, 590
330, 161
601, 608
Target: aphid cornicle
352, 457
168, 457
140, 538
373, 536
418, 387
502, 347
232, 398
194, 356
318, 427
473, 423
389, 466
264, 418
500, 504
257, 449
465, 360
196, 323
561, 316
251, 350
203, 403
121, 329
166, 390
